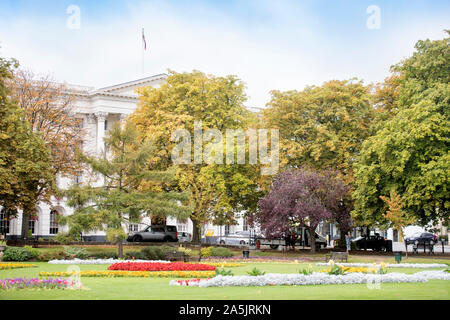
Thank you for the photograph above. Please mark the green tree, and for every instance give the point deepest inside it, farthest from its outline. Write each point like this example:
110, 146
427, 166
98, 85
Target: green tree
218, 103
410, 153
124, 192
26, 176
323, 127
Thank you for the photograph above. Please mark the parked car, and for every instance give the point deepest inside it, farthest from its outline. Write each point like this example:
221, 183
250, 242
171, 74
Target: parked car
235, 239
420, 238
184, 237
154, 233
374, 242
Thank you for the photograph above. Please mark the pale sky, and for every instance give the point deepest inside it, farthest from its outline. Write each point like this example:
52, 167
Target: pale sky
269, 45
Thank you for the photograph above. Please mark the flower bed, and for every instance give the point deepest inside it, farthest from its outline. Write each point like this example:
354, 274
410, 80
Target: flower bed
277, 279
100, 261
389, 265
35, 283
139, 274
152, 266
7, 266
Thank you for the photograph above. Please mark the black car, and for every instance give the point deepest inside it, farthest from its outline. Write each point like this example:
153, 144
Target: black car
374, 242
421, 238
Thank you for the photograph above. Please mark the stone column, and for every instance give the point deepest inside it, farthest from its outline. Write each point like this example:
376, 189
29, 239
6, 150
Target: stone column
122, 118
101, 117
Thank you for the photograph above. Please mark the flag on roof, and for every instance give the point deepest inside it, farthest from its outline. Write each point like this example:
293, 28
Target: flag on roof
143, 40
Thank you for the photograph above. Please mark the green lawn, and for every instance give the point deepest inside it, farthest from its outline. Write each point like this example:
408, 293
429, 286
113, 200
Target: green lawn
156, 289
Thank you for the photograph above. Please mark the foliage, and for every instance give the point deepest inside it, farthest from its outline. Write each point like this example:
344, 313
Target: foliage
216, 191
307, 271
64, 238
49, 109
121, 198
34, 252
221, 252
301, 197
223, 272
16, 254
26, 175
206, 252
51, 255
186, 251
155, 252
395, 214
322, 127
410, 153
256, 272
76, 252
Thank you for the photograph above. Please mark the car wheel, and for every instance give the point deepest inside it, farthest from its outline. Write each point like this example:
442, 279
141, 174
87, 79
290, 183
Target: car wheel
222, 242
274, 246
242, 242
137, 239
167, 239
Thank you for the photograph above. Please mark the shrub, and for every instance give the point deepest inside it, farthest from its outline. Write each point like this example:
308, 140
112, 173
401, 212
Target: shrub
75, 252
156, 252
104, 255
221, 252
186, 251
51, 255
206, 252
64, 238
16, 254
135, 254
34, 252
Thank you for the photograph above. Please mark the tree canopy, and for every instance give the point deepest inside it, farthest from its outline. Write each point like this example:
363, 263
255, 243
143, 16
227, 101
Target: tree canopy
410, 153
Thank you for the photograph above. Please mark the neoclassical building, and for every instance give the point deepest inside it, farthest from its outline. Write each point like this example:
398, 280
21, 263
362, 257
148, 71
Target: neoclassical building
98, 109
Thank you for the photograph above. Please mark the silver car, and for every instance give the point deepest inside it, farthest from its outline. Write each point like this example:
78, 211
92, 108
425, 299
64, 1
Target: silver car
239, 238
155, 233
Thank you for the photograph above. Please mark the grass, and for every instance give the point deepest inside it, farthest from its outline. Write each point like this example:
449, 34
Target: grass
159, 289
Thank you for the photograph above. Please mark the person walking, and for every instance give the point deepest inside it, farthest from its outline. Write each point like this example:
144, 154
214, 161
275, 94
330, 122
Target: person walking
347, 241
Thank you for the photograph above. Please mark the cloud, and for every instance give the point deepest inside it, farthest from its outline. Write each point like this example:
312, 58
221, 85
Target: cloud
267, 44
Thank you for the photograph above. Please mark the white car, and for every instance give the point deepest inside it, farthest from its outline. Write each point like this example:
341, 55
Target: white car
239, 238
184, 237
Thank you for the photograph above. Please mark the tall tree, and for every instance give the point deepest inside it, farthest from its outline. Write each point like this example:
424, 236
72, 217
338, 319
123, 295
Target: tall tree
410, 154
323, 127
302, 197
26, 176
129, 191
50, 111
216, 102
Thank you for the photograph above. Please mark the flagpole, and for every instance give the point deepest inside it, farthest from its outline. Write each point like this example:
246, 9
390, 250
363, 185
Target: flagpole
143, 49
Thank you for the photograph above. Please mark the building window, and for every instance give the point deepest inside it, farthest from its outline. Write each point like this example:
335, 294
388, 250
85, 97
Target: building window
31, 226
181, 226
133, 227
227, 229
106, 125
4, 222
244, 224
54, 222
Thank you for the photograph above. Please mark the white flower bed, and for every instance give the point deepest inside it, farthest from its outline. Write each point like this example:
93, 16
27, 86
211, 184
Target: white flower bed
100, 261
317, 278
389, 265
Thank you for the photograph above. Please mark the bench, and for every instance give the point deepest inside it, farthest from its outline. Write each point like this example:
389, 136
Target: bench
177, 256
336, 256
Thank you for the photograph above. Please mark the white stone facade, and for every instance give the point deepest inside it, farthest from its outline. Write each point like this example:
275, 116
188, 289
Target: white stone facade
99, 109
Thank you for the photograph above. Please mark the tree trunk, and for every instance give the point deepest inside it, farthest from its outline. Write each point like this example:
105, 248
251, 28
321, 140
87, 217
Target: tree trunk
196, 237
120, 249
25, 225
312, 236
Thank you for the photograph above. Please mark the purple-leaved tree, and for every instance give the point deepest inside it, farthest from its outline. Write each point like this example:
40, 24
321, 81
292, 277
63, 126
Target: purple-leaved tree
300, 197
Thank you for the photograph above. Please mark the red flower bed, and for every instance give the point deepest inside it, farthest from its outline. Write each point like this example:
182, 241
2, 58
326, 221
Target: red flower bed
155, 266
